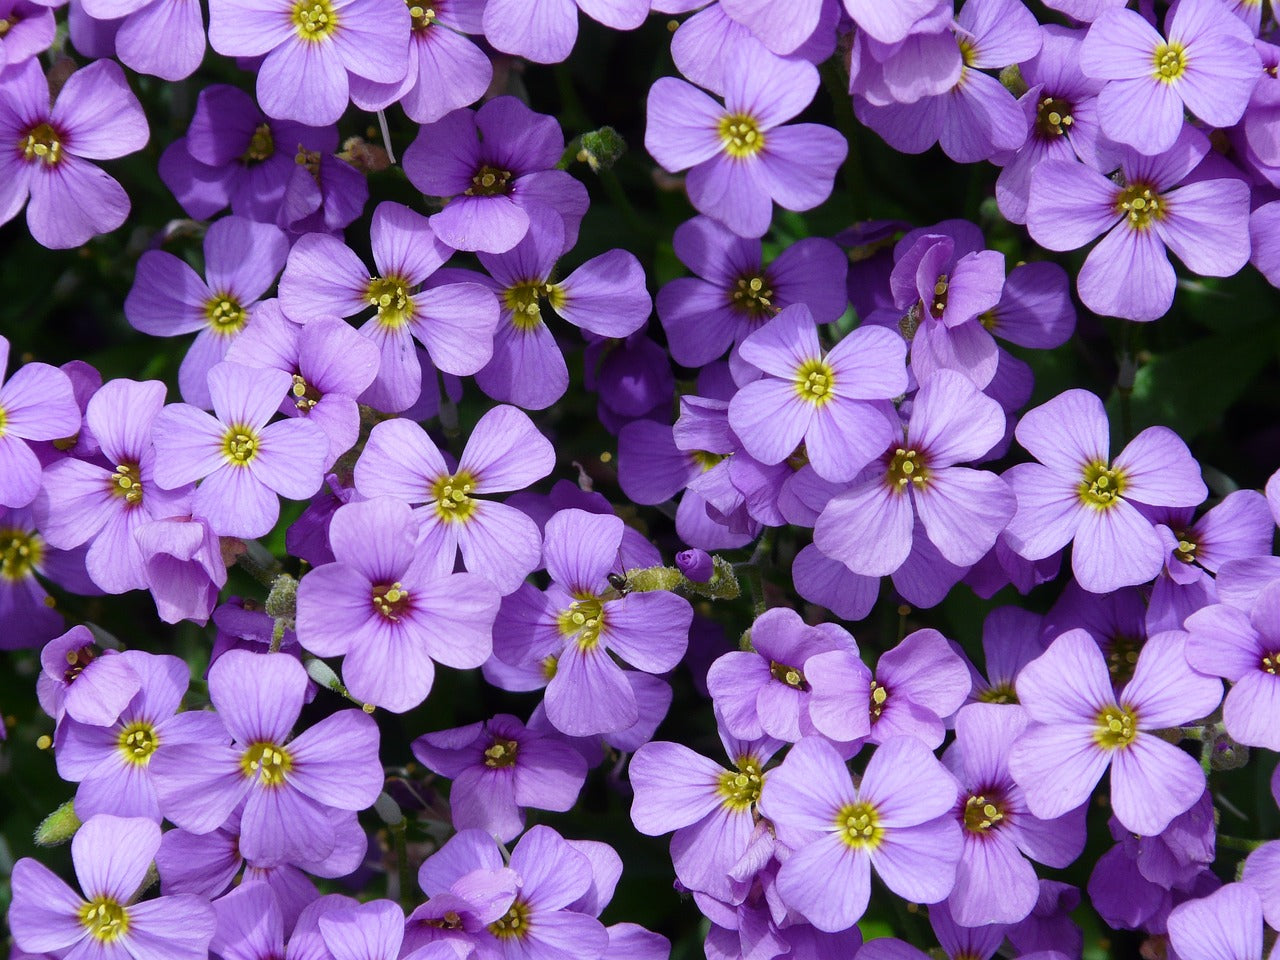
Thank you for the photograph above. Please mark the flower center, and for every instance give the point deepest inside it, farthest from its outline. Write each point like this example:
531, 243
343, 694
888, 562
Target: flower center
421, 14
20, 553
741, 788
240, 445
741, 136
105, 919
514, 923
1271, 662
1141, 204
126, 483
501, 754
1000, 693
584, 619
814, 381
1122, 657
550, 663
1170, 61
391, 297
1101, 486
489, 182
859, 825
705, 459
522, 301
225, 315
305, 396
391, 600
938, 302
77, 660
982, 813
907, 468
791, 676
266, 762
1117, 726
309, 159
1053, 117
137, 742
879, 697
6, 23
752, 295
315, 20
42, 144
1186, 548
452, 495
261, 145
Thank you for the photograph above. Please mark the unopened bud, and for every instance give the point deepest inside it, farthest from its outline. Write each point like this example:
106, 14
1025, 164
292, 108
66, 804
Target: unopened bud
59, 826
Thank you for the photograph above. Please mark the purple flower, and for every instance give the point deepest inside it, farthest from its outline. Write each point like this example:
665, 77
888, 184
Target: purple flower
391, 608
695, 564
313, 49
168, 298
111, 856
368, 931
242, 461
544, 31
1078, 492
112, 763
896, 820
821, 400
36, 403
576, 627
30, 31
499, 766
734, 292
1225, 925
96, 117
871, 527
1244, 648
505, 452
330, 364
918, 685
740, 158
287, 786
1128, 273
89, 686
184, 567
995, 883
1206, 66
1082, 726
1010, 640
711, 809
1262, 872
107, 505
164, 38
454, 321
891, 23
497, 165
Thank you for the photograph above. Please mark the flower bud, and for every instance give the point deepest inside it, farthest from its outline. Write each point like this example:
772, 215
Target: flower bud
695, 564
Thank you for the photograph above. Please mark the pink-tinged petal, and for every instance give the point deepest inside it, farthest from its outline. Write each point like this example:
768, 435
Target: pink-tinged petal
456, 322
840, 689
784, 27
303, 81
618, 14
1071, 203
1049, 511
236, 503
589, 695
1153, 781
543, 32
770, 418
369, 931
650, 631
100, 695
868, 529
527, 368
390, 671
501, 544
555, 872
964, 512
919, 862
1165, 691
682, 125
706, 854
176, 927
182, 27
167, 296
674, 787
1252, 710
1119, 46
907, 786
803, 795
1225, 925
487, 224
581, 548
336, 761
968, 349
1145, 114
506, 452
888, 23
952, 422
1204, 225
73, 202
1159, 470
45, 913
565, 935
605, 296
292, 455
827, 882
248, 28
1116, 547
258, 696
99, 113
820, 579
323, 277
1057, 767
1067, 684
112, 854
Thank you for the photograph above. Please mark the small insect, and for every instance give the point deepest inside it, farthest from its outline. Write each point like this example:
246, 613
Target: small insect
620, 583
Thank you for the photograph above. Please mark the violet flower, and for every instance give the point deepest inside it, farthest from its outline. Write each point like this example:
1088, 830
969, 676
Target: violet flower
87, 685
36, 403
163, 38
544, 31
184, 567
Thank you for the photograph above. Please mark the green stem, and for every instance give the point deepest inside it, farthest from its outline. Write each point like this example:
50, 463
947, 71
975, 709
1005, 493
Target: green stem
1239, 843
400, 839
1125, 380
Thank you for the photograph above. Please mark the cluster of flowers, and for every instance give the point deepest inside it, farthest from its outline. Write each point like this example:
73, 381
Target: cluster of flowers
882, 438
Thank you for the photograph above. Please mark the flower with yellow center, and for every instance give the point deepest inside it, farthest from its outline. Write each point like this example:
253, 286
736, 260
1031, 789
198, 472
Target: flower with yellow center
452, 496
225, 315
1140, 203
1117, 727
137, 742
583, 621
266, 763
240, 445
314, 20
815, 381
126, 483
41, 144
21, 552
1170, 61
514, 924
739, 789
105, 919
1101, 486
858, 825
741, 135
392, 298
